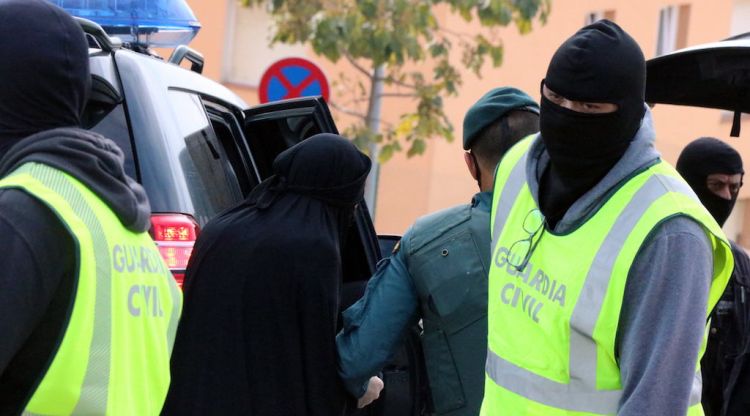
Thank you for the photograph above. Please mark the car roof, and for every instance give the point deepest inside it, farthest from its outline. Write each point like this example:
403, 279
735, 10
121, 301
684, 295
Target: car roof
171, 75
176, 77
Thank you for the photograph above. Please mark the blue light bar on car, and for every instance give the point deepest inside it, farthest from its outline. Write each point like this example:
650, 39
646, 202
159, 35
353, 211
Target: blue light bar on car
153, 23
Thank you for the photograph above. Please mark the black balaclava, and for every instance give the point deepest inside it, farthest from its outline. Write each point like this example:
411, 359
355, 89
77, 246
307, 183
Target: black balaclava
703, 157
44, 70
600, 63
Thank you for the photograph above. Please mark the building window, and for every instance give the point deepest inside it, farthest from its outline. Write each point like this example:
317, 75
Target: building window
248, 54
599, 15
673, 27
740, 18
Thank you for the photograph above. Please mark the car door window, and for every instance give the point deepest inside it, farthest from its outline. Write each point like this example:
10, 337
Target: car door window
114, 126
229, 134
269, 137
105, 114
211, 180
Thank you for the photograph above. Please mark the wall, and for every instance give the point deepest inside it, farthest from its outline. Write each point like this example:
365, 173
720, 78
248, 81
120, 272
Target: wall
412, 187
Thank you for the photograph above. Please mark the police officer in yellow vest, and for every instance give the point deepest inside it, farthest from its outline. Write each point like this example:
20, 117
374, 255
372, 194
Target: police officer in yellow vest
88, 309
438, 273
604, 262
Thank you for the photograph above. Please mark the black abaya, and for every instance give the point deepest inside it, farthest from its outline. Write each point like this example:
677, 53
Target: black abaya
261, 292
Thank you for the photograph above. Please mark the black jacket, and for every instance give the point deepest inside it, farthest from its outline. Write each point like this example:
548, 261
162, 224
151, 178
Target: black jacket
38, 266
45, 82
725, 366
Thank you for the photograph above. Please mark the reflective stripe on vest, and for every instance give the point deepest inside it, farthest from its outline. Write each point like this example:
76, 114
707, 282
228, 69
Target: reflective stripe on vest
79, 383
580, 393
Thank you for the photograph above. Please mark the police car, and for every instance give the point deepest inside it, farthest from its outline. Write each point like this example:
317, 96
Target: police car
197, 148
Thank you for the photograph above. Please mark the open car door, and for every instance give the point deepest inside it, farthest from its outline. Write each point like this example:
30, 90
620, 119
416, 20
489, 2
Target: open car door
274, 127
713, 75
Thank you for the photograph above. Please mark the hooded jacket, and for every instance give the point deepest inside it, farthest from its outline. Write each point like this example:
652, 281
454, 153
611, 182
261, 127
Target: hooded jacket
46, 81
729, 319
669, 278
37, 253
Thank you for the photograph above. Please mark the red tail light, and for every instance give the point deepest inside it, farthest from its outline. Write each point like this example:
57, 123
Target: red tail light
175, 235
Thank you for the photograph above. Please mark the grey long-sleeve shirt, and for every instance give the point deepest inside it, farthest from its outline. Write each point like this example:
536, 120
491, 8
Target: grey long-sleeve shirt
662, 321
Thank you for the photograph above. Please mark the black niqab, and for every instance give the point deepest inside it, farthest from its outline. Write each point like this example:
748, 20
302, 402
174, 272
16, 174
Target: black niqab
257, 333
45, 73
703, 157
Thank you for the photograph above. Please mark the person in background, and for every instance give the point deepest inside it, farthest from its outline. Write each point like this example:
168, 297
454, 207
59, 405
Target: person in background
438, 273
89, 309
714, 170
604, 263
262, 292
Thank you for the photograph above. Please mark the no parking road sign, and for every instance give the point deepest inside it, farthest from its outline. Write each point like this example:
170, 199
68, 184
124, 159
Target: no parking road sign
292, 78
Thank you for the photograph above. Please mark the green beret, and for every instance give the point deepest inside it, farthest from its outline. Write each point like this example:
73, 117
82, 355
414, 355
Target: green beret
491, 107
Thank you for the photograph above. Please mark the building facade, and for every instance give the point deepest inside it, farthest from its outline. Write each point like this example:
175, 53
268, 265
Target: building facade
235, 43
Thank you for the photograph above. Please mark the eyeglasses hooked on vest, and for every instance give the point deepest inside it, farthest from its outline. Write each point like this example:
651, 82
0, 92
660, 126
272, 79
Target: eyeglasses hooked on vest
520, 251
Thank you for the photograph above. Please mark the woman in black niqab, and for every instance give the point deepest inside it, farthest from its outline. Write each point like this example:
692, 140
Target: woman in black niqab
257, 331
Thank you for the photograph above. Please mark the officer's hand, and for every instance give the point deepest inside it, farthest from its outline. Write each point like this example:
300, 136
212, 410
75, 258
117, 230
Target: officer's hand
374, 386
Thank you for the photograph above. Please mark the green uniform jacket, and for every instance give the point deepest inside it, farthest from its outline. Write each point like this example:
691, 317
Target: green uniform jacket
437, 273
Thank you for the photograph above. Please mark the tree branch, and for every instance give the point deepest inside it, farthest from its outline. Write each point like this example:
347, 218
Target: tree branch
357, 66
354, 101
459, 35
391, 80
347, 111
384, 95
398, 95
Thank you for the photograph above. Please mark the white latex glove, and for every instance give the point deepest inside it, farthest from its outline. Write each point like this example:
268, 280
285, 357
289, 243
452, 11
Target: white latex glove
374, 386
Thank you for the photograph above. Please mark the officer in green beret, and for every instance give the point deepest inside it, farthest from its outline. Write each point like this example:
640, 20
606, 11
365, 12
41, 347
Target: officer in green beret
438, 273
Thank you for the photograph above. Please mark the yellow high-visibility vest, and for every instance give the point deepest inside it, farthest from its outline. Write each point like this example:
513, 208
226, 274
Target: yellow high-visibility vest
552, 325
114, 355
